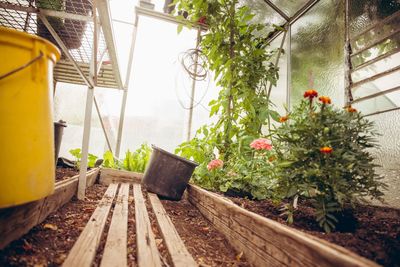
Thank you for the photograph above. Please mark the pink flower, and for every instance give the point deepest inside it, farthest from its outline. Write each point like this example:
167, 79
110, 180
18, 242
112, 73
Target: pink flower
214, 164
261, 144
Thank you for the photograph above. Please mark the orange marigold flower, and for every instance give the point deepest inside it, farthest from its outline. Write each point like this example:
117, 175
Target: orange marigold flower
271, 158
284, 118
310, 94
326, 150
351, 109
324, 99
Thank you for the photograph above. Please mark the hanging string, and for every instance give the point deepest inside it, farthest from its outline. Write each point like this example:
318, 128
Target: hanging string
197, 70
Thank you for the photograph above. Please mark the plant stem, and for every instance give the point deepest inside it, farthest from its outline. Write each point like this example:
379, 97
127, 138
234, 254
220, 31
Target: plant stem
228, 125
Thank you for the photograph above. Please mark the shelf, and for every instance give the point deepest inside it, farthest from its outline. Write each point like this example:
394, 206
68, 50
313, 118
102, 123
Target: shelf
73, 22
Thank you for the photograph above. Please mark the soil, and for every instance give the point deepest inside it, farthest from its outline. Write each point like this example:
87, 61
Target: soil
370, 231
207, 246
48, 243
63, 173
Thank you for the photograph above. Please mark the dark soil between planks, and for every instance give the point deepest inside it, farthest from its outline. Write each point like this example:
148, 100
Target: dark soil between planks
375, 234
63, 173
48, 243
207, 246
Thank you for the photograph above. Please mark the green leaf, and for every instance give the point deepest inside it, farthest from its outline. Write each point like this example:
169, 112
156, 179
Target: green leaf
180, 28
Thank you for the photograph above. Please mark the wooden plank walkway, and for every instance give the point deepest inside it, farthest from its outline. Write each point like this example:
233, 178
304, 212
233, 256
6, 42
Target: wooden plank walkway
115, 250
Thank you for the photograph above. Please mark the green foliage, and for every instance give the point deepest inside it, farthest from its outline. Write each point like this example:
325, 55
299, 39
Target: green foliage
341, 175
137, 161
109, 160
239, 58
77, 154
134, 161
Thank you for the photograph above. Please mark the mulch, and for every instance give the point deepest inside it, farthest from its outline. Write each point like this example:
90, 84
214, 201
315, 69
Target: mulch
370, 231
63, 173
207, 246
48, 243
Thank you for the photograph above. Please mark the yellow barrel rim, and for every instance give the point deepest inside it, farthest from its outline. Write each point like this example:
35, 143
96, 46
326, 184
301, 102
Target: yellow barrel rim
25, 40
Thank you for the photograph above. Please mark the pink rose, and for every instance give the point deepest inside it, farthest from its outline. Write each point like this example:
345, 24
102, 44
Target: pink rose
261, 144
214, 164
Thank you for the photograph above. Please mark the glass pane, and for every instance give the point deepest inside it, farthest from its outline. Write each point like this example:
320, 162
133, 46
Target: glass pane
159, 94
290, 7
264, 14
380, 103
382, 84
386, 46
388, 29
364, 13
279, 92
377, 67
317, 52
69, 105
387, 154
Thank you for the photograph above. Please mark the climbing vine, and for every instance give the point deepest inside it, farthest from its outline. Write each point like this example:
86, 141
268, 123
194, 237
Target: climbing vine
239, 56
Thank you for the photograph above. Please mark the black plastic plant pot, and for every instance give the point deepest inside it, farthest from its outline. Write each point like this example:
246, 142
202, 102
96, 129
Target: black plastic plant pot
58, 133
167, 174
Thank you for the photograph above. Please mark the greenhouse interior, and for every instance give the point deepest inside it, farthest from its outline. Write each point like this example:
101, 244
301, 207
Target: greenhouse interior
200, 133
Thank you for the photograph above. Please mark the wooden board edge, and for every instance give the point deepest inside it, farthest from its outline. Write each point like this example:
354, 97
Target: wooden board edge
326, 249
25, 217
108, 176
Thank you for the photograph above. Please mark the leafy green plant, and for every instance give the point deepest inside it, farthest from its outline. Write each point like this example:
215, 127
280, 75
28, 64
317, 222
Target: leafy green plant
323, 156
109, 161
240, 59
137, 161
77, 154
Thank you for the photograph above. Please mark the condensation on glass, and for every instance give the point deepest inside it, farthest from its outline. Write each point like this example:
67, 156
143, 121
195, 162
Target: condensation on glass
290, 7
317, 55
375, 41
279, 92
375, 54
264, 14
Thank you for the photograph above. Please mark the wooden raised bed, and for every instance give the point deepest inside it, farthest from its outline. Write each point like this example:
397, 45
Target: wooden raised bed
17, 221
109, 176
265, 242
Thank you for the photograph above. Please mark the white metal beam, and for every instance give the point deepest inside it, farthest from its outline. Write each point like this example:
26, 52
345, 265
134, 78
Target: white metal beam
126, 86
196, 59
105, 20
88, 111
163, 16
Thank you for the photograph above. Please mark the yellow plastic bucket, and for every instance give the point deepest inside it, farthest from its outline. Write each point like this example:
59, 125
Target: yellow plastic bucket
26, 117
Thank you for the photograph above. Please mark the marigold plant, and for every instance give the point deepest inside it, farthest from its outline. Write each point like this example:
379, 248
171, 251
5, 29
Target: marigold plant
323, 156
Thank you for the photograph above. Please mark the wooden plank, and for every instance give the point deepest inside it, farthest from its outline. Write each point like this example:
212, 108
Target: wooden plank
147, 253
92, 177
266, 242
180, 256
84, 250
115, 250
17, 221
108, 176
